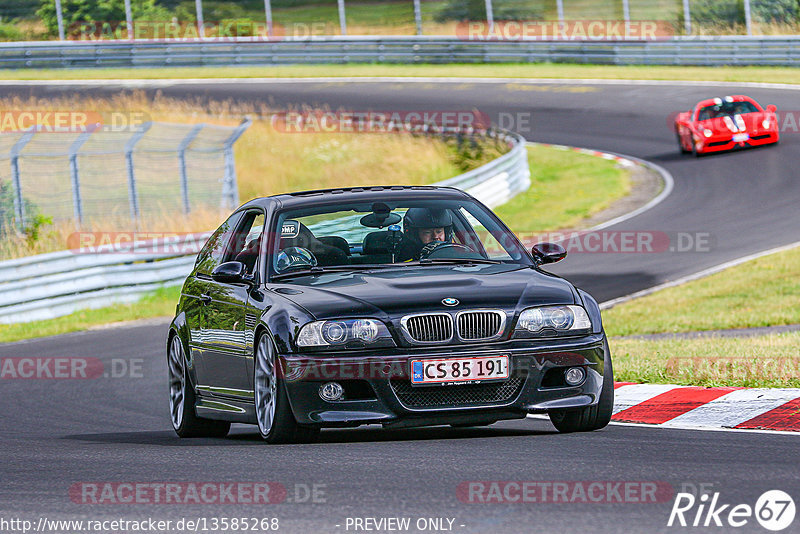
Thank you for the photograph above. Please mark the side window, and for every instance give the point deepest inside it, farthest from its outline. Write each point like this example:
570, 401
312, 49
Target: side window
492, 247
247, 244
213, 251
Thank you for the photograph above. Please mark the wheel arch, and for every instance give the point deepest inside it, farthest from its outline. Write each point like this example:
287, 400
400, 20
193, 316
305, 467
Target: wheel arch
178, 327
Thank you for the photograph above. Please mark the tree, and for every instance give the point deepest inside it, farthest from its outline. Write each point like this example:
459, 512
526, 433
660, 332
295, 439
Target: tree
111, 11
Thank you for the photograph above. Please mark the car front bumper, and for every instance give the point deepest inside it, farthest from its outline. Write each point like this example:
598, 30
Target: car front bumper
723, 143
378, 390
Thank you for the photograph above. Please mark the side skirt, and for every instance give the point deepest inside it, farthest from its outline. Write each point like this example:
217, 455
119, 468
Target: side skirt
226, 410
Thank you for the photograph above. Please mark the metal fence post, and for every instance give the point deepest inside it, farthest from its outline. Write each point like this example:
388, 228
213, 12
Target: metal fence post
129, 18
230, 189
182, 164
19, 204
60, 19
198, 5
490, 15
687, 18
77, 202
132, 194
626, 16
747, 19
342, 21
418, 17
268, 16
560, 10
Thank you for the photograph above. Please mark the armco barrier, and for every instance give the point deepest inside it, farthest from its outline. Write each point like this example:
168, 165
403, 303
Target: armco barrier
768, 50
51, 285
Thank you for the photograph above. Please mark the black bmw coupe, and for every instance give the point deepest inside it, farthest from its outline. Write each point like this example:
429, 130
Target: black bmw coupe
400, 306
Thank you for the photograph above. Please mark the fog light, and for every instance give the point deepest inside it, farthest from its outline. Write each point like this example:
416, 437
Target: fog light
331, 391
574, 376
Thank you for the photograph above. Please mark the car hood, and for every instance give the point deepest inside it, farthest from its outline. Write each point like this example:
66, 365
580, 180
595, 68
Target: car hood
391, 293
752, 121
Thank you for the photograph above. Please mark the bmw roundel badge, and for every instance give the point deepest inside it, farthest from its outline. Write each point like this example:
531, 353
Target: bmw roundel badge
449, 301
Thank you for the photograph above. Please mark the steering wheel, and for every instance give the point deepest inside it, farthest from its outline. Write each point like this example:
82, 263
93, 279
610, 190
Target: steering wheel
440, 249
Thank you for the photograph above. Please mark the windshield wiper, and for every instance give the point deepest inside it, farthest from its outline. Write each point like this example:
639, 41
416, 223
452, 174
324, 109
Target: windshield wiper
332, 269
465, 261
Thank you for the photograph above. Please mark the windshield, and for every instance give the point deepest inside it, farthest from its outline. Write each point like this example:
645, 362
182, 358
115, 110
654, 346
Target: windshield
390, 233
725, 109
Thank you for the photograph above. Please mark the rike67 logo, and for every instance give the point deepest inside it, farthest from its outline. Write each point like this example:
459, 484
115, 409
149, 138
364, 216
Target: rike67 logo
774, 510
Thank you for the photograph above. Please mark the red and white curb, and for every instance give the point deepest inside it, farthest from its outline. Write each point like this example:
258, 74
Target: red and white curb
693, 407
623, 161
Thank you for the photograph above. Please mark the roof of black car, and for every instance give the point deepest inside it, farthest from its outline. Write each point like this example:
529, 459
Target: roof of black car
358, 194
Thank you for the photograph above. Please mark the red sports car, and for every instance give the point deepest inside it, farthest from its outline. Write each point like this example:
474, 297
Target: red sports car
719, 124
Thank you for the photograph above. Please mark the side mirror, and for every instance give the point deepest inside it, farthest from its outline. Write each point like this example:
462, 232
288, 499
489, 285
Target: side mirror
772, 108
548, 253
230, 272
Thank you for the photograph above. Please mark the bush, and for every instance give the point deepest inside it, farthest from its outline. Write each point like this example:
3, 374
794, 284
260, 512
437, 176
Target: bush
9, 32
6, 208
780, 11
718, 12
476, 10
35, 223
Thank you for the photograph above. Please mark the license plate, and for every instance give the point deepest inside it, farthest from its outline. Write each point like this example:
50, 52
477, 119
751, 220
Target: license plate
459, 370
738, 138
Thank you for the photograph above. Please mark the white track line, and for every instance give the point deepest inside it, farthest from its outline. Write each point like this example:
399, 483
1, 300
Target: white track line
669, 182
160, 82
710, 428
687, 427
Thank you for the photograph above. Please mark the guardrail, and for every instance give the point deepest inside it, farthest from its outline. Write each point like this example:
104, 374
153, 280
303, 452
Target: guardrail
782, 50
56, 284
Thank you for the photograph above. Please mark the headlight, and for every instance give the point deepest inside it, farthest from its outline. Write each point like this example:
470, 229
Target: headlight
355, 332
765, 124
562, 319
707, 132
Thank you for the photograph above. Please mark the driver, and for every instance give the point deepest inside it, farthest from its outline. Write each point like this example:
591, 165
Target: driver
427, 228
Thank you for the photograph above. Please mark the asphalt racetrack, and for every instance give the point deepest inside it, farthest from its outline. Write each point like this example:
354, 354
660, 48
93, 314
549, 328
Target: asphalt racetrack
61, 436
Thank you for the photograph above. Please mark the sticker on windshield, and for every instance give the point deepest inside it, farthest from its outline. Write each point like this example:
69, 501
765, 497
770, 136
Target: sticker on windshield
290, 229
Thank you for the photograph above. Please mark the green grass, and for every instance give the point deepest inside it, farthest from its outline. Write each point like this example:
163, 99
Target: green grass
593, 183
156, 304
765, 361
508, 70
763, 292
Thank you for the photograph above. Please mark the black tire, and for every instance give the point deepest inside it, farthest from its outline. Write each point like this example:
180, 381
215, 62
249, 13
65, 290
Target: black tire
695, 153
283, 428
591, 417
182, 400
680, 144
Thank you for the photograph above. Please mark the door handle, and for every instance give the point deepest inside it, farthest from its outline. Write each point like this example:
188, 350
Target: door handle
205, 298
